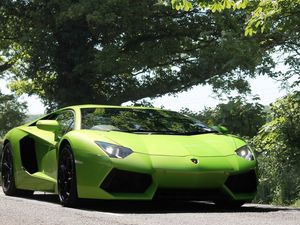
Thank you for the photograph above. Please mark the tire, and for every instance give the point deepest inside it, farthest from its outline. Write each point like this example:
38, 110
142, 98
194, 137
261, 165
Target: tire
66, 178
7, 175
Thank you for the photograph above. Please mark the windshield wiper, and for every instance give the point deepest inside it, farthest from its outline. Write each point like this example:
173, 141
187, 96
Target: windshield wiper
154, 132
170, 132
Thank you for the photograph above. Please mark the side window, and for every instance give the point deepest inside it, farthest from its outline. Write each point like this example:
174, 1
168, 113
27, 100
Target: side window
66, 122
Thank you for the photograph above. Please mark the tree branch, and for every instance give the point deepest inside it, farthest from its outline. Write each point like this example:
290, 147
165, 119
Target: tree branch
7, 65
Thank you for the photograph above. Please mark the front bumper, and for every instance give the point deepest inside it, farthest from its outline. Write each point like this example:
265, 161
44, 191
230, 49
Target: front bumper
144, 177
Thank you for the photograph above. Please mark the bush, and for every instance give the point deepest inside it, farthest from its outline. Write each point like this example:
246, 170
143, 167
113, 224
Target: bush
279, 146
1, 146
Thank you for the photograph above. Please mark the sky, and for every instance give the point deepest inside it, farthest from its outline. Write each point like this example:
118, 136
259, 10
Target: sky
195, 99
202, 96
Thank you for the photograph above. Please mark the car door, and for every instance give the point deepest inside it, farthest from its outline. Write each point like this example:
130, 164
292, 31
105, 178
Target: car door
38, 152
46, 152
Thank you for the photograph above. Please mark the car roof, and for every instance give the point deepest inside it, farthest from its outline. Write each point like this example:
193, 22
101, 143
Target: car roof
106, 106
78, 107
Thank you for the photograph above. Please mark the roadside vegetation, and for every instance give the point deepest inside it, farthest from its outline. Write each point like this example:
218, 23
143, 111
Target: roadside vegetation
278, 145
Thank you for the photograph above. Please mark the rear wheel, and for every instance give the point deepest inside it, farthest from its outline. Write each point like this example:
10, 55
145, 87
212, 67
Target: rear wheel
7, 174
66, 179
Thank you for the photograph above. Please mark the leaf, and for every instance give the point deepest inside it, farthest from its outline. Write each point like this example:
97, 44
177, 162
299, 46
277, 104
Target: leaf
258, 23
178, 7
248, 31
187, 5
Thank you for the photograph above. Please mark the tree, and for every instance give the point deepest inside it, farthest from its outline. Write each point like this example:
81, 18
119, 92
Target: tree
239, 116
276, 22
114, 51
12, 113
10, 52
279, 146
263, 14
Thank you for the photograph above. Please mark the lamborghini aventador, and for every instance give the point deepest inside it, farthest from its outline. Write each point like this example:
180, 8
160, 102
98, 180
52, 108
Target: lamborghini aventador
127, 153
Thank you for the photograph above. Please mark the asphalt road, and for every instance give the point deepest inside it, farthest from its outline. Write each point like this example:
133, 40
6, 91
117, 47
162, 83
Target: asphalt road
45, 209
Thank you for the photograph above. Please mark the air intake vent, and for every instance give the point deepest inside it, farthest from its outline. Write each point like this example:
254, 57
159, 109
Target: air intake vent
121, 181
242, 183
28, 157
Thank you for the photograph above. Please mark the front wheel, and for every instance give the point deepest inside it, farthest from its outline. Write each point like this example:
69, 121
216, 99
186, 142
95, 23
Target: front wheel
66, 181
7, 174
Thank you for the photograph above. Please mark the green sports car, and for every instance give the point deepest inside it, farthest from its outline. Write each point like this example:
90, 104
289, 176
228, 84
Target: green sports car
127, 153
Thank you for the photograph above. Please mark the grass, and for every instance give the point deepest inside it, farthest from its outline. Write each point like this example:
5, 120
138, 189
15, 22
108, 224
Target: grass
296, 204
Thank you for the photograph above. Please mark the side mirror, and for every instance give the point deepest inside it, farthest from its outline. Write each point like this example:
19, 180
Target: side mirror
48, 125
221, 129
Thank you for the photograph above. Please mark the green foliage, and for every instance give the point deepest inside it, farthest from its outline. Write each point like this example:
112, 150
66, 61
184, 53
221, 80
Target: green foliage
263, 14
275, 25
32, 117
239, 116
11, 52
113, 51
1, 147
12, 113
143, 103
213, 5
297, 204
269, 15
279, 144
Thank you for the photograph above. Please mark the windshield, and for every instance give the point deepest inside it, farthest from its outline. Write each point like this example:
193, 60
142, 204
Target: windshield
140, 120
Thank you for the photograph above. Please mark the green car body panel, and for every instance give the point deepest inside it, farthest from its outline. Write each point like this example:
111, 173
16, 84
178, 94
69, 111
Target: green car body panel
173, 162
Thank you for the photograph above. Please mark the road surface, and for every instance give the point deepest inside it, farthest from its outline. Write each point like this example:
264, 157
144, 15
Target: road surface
45, 209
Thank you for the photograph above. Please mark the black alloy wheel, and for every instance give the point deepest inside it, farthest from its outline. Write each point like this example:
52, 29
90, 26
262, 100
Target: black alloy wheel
7, 174
66, 179
7, 171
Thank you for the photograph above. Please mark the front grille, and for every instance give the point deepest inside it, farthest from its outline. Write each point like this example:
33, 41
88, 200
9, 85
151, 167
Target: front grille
242, 183
189, 194
121, 181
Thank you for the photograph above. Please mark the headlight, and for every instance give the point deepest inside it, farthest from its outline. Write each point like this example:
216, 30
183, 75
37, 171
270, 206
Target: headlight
245, 152
114, 151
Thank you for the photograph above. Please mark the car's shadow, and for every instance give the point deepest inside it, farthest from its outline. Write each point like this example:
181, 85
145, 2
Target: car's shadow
153, 207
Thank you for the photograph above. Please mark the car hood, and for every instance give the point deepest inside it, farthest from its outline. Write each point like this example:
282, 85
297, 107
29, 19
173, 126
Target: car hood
176, 145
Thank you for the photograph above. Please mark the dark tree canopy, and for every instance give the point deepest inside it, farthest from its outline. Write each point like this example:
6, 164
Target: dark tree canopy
112, 51
277, 22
